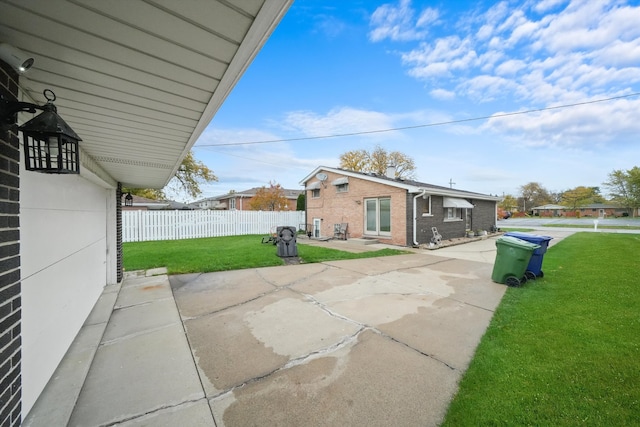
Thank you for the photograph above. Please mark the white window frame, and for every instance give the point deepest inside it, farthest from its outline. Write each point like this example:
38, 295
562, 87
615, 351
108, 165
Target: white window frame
377, 231
453, 214
342, 188
232, 203
427, 212
315, 193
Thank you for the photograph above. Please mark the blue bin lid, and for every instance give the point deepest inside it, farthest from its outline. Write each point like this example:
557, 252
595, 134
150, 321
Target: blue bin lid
515, 242
533, 238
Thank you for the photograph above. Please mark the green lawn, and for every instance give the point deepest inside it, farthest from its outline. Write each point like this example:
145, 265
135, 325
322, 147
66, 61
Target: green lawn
563, 350
224, 253
600, 226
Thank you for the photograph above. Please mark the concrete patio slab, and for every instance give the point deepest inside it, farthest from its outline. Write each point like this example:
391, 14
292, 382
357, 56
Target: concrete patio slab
133, 320
137, 375
196, 414
259, 338
199, 294
371, 381
279, 277
142, 291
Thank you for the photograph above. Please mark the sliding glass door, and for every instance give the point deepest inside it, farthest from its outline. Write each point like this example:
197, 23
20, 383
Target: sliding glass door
378, 216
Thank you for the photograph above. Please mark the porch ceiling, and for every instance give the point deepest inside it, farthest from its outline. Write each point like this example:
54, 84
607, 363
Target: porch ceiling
137, 80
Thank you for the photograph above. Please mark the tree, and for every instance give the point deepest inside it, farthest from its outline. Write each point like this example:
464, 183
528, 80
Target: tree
533, 194
269, 199
301, 202
624, 188
356, 160
581, 196
187, 179
377, 162
508, 203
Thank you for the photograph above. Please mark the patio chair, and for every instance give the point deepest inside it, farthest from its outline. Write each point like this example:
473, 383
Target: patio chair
340, 231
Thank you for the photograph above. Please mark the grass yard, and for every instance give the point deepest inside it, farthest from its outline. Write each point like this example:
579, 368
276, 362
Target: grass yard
607, 227
563, 350
224, 253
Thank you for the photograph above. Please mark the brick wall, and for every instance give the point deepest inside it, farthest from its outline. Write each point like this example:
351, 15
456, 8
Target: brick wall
482, 218
447, 229
10, 295
335, 207
483, 215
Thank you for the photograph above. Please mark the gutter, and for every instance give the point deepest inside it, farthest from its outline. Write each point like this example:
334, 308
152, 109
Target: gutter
423, 191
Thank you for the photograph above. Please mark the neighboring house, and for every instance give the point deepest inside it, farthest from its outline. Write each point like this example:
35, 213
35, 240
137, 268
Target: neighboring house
395, 211
143, 204
208, 203
549, 210
139, 82
241, 200
599, 210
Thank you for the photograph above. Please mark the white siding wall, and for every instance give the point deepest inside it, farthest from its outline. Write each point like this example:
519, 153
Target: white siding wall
64, 244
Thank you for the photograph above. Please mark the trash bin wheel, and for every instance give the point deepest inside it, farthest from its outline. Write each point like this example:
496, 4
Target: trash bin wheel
530, 275
541, 274
512, 281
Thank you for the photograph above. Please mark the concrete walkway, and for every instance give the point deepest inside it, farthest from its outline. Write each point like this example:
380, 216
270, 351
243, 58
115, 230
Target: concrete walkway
376, 342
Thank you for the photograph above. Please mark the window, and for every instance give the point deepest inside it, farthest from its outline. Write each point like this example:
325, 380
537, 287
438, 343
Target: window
315, 193
453, 214
426, 211
232, 203
342, 188
378, 216
341, 184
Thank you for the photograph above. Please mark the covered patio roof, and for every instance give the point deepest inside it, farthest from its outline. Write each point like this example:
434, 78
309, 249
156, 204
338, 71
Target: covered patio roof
138, 81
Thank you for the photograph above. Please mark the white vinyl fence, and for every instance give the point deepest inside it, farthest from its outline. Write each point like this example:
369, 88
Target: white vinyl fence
140, 226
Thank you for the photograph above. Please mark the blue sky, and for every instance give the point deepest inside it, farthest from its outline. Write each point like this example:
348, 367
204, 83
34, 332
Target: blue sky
336, 67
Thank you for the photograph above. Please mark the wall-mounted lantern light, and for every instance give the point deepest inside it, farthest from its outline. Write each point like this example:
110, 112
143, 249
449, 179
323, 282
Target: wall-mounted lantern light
128, 200
51, 146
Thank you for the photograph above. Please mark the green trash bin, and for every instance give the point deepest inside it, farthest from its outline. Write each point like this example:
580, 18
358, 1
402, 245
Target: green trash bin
512, 259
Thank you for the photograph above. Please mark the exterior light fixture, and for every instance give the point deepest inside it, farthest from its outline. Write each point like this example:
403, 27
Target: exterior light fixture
51, 146
128, 200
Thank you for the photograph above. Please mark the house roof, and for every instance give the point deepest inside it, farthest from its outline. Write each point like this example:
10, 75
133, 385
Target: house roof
407, 184
548, 207
289, 194
138, 81
153, 204
590, 206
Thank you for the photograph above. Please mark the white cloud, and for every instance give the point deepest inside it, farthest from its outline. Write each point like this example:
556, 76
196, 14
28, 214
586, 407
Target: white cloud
439, 59
598, 123
398, 22
538, 54
545, 5
512, 66
442, 94
336, 121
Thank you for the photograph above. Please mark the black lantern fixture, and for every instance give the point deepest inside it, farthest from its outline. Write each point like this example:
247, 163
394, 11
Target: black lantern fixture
51, 146
128, 200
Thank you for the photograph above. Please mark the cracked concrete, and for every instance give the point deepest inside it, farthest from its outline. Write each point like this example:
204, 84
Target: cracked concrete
376, 342
379, 341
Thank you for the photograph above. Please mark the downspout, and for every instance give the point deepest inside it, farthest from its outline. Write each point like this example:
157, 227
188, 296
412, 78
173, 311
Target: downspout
415, 216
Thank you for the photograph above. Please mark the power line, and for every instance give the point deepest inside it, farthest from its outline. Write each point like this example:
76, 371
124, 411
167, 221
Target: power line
450, 122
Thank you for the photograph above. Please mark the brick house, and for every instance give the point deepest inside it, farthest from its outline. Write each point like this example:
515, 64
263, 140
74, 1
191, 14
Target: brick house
396, 211
241, 200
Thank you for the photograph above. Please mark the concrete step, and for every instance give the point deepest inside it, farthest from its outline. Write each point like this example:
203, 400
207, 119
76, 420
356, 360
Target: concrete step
364, 241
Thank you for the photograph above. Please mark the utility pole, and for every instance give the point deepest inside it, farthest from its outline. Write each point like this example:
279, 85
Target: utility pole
451, 183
